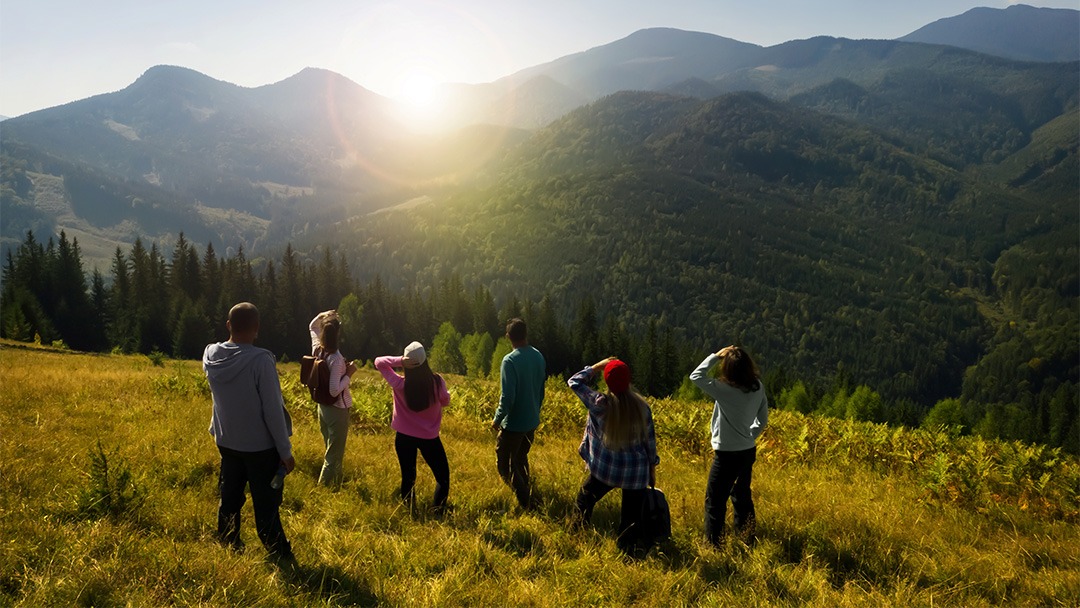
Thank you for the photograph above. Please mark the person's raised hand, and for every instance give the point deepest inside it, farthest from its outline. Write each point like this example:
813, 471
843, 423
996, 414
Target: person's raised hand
599, 365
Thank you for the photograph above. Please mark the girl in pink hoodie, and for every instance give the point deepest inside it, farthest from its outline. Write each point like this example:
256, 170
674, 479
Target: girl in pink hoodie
419, 397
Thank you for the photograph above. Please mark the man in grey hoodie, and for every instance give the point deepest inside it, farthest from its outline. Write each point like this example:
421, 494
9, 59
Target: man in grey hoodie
252, 428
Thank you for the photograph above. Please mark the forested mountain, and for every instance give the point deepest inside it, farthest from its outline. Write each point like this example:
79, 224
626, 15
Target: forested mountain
1019, 32
834, 251
889, 219
180, 151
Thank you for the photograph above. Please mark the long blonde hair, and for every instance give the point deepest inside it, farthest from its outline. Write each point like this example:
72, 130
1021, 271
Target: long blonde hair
624, 420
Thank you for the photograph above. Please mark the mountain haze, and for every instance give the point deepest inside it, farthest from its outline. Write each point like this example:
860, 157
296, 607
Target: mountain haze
1018, 32
239, 166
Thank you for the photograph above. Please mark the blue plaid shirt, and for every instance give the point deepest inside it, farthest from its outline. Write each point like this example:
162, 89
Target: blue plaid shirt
629, 468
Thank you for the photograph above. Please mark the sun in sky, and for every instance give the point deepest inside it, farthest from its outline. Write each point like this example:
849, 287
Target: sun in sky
408, 51
418, 86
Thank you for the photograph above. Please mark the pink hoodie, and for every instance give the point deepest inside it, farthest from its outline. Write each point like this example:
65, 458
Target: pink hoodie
422, 425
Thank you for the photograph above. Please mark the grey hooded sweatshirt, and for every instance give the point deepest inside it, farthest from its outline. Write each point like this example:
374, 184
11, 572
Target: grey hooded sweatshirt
249, 413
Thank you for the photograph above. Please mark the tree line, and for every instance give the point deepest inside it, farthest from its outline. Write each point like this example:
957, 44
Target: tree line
176, 303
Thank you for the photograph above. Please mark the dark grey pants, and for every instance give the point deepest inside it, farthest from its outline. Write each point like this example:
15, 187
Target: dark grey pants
730, 476
512, 460
255, 470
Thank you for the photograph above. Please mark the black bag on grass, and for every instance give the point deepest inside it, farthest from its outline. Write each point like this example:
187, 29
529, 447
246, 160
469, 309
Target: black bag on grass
656, 516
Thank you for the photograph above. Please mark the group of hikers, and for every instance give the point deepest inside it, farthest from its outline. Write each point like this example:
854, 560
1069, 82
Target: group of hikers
252, 429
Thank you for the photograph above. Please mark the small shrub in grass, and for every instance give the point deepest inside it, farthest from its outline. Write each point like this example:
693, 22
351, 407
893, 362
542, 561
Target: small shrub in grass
181, 381
112, 490
157, 358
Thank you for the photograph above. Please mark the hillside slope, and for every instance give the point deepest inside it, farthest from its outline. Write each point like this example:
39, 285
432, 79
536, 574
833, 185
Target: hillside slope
835, 524
733, 219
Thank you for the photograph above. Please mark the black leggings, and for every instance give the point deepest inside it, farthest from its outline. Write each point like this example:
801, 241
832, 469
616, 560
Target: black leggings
630, 523
434, 455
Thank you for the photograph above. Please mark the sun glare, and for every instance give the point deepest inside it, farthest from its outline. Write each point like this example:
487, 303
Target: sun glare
419, 89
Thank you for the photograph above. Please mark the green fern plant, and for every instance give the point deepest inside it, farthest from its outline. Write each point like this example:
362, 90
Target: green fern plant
112, 490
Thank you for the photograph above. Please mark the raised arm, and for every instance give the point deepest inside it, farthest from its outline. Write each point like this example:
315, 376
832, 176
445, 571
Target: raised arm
386, 366
700, 376
315, 328
581, 383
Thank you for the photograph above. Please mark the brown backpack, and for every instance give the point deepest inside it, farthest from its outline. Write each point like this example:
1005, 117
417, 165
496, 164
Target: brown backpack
315, 374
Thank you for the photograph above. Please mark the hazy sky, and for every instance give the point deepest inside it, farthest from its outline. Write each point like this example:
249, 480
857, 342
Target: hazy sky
53, 51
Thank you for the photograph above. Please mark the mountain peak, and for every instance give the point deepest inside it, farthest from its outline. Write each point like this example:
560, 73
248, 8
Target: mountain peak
171, 72
1020, 32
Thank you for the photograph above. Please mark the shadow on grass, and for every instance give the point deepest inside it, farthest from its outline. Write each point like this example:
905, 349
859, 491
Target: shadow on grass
847, 563
332, 584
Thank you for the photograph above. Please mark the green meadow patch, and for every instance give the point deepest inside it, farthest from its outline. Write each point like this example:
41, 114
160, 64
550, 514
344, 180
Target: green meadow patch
107, 497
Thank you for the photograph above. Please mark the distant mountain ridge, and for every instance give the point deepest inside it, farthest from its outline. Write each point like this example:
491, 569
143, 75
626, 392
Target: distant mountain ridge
263, 165
704, 65
1019, 32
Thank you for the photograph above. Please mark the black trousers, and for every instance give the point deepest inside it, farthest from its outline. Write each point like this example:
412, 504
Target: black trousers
434, 455
633, 503
512, 460
730, 476
255, 470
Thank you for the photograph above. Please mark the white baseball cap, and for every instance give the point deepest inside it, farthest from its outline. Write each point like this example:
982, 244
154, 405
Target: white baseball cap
415, 352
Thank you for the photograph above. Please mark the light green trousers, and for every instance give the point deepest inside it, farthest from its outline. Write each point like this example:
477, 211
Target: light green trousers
334, 424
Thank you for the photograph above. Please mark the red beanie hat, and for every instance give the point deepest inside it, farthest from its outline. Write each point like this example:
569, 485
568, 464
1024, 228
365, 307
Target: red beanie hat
617, 376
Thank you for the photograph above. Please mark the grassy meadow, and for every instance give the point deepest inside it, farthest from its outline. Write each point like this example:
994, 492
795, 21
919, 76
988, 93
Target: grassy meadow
850, 514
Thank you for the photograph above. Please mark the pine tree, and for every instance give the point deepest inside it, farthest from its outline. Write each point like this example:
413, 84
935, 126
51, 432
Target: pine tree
122, 329
98, 330
586, 340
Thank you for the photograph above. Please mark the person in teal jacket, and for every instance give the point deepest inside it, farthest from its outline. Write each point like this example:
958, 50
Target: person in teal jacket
523, 374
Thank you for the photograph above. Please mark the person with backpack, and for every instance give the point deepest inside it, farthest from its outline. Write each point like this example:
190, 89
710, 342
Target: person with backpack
419, 398
334, 418
619, 448
740, 414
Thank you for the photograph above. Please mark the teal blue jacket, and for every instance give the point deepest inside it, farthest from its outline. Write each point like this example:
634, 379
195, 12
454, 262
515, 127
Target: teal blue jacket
523, 374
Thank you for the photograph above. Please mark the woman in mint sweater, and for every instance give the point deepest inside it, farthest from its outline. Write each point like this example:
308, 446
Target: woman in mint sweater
740, 414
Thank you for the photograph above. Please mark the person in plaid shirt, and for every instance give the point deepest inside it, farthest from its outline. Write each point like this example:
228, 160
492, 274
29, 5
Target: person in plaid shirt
618, 446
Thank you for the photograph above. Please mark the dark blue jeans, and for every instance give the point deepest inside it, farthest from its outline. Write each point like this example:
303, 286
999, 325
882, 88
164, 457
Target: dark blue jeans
253, 469
730, 476
434, 455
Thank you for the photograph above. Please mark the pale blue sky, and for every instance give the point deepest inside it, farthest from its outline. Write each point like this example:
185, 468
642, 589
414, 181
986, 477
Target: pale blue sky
53, 51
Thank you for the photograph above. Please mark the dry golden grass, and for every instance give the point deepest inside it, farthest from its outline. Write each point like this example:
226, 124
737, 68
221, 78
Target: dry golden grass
834, 531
